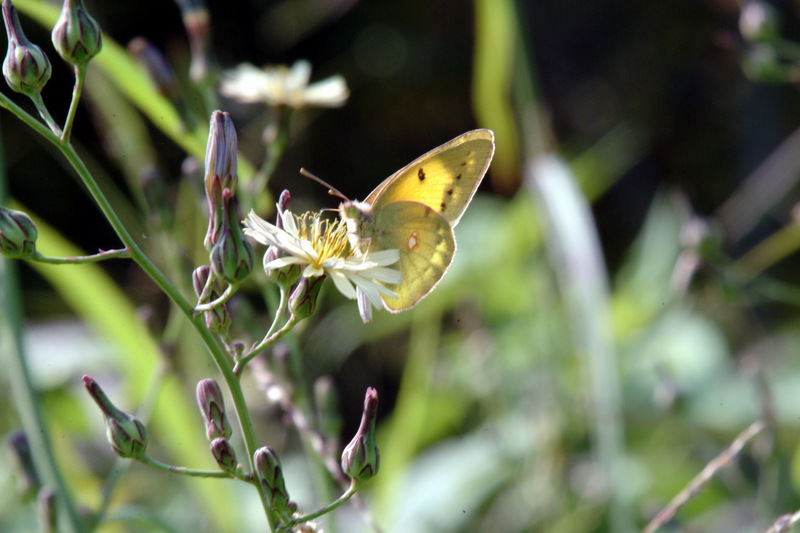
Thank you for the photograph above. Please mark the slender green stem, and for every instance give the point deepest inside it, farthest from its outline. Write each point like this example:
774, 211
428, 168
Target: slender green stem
188, 471
265, 343
344, 498
45, 114
216, 351
229, 291
123, 253
77, 89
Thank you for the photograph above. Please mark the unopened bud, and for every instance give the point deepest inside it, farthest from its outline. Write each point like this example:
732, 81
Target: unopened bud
18, 234
218, 319
303, 300
270, 474
212, 408
76, 36
223, 453
232, 256
26, 67
127, 435
29, 482
361, 459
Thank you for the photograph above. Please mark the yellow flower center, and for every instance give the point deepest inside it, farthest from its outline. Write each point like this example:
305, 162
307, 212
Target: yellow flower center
327, 237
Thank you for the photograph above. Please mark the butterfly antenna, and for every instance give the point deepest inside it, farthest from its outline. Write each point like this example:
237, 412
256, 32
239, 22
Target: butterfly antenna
333, 191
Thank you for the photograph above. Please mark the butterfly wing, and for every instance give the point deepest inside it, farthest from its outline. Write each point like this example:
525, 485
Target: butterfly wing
444, 179
426, 244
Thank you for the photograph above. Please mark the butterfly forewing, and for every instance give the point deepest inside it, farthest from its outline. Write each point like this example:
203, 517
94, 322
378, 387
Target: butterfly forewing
444, 179
426, 245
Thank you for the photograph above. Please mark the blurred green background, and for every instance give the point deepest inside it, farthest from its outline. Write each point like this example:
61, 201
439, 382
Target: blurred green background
623, 302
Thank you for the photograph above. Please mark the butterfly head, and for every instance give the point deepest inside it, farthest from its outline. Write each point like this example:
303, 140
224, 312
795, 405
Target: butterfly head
355, 214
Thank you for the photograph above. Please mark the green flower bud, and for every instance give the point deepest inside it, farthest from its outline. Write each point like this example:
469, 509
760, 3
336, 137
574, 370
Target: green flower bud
29, 483
26, 67
127, 435
270, 475
212, 407
223, 453
303, 300
232, 256
360, 458
18, 234
76, 35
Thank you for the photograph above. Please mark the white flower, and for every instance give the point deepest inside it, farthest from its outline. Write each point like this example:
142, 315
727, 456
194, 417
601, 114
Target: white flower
281, 85
323, 248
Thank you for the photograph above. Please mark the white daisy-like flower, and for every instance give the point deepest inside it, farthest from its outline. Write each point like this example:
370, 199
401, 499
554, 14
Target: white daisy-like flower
281, 85
322, 247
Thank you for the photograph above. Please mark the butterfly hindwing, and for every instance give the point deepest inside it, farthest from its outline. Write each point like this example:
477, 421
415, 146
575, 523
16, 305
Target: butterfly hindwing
444, 179
426, 244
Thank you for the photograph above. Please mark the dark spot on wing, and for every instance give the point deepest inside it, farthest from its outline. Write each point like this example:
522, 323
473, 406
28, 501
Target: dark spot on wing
458, 177
421, 174
443, 206
450, 191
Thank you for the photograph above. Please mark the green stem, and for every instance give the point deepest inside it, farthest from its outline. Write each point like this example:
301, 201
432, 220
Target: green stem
216, 351
124, 253
80, 76
229, 291
45, 114
264, 344
344, 498
186, 471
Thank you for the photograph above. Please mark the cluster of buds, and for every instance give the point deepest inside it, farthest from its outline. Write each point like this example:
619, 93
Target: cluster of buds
18, 234
218, 429
127, 435
230, 254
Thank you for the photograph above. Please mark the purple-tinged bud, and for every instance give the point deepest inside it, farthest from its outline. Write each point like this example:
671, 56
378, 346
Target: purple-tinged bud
26, 67
218, 319
18, 234
361, 459
29, 483
221, 159
46, 507
127, 435
224, 455
232, 257
270, 474
303, 300
212, 407
76, 36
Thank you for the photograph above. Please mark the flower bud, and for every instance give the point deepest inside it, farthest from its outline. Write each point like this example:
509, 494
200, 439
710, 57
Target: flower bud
270, 474
29, 482
303, 300
127, 435
232, 256
223, 453
212, 407
361, 459
76, 36
26, 67
218, 319
18, 234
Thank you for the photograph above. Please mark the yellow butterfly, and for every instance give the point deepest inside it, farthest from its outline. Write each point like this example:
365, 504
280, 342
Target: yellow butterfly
415, 209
